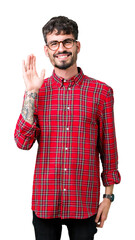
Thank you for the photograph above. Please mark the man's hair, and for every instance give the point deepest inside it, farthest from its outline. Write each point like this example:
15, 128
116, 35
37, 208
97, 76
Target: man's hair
62, 24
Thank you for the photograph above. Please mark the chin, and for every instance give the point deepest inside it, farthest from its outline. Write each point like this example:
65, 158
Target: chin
64, 66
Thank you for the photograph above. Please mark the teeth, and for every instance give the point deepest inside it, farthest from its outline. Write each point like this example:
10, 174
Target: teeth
62, 56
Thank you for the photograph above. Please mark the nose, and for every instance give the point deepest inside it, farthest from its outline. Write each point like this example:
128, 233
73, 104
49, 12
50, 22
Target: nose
61, 47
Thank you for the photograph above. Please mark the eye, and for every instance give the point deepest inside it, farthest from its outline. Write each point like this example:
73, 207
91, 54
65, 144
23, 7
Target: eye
54, 43
68, 41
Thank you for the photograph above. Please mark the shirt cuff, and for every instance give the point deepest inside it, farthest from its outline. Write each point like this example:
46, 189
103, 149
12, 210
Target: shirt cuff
110, 178
26, 128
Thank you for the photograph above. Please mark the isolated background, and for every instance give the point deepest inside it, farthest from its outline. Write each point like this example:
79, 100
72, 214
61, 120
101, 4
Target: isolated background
107, 36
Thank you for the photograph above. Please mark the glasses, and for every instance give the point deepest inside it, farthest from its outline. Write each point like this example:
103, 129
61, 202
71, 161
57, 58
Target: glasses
67, 43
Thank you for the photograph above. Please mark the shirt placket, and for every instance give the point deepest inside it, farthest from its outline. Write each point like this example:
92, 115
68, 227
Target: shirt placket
65, 186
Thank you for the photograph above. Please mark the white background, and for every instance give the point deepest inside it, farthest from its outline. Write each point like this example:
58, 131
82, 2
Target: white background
107, 36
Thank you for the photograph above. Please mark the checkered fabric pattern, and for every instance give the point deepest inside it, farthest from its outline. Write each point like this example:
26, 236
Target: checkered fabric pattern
74, 127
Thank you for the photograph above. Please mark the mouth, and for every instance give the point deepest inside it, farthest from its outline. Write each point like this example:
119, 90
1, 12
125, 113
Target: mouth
63, 56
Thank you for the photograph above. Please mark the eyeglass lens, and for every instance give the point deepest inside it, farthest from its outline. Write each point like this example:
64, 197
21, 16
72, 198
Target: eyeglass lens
67, 43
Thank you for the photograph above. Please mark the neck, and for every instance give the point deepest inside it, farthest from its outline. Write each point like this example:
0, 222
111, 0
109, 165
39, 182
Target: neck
67, 73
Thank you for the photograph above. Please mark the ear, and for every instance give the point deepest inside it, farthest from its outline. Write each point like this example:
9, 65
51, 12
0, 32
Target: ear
78, 44
46, 50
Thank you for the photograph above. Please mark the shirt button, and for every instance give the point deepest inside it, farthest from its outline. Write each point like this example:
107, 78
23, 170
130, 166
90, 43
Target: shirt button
64, 189
65, 169
64, 80
69, 88
67, 128
68, 107
66, 148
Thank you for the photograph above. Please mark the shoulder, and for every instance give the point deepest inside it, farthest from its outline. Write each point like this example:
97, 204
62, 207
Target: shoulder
98, 86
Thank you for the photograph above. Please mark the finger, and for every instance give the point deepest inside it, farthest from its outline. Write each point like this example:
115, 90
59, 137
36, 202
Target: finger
34, 63
28, 63
101, 223
98, 217
31, 61
23, 67
42, 75
103, 218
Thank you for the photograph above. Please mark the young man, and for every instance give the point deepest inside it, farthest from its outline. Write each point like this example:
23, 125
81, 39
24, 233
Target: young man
71, 116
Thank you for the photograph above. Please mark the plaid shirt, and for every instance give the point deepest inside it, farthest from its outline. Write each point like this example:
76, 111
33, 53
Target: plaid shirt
74, 127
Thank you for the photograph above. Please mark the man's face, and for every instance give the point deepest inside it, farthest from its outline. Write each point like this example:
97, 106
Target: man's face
62, 57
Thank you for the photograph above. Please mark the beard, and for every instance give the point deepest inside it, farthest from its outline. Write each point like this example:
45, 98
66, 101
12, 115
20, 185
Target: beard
63, 64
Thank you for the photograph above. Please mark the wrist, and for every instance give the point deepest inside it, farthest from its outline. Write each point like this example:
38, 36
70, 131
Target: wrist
106, 201
31, 94
32, 91
109, 197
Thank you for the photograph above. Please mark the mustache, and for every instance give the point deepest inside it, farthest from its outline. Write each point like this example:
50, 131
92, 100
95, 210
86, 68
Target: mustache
59, 53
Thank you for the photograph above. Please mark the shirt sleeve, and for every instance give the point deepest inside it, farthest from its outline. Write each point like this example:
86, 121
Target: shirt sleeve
26, 134
107, 143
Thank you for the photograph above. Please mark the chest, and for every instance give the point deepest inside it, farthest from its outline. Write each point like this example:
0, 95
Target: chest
77, 105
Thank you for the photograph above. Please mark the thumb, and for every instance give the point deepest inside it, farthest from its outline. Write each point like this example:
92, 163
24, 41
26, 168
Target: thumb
42, 75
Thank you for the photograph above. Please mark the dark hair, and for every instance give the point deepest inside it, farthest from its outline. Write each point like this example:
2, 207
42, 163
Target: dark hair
61, 24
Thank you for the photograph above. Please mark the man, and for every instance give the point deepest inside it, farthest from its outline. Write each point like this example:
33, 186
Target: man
71, 117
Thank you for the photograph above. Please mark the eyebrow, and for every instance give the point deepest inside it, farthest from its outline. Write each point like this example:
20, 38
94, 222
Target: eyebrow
53, 41
60, 41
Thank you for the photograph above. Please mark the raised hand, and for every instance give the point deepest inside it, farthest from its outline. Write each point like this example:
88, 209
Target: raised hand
32, 81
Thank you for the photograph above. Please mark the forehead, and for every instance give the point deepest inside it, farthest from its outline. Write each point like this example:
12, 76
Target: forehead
54, 37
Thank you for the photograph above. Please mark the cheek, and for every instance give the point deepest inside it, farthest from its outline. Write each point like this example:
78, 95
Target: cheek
52, 59
75, 54
50, 55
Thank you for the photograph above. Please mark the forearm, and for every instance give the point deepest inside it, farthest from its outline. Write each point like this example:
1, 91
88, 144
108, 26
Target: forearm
28, 106
109, 189
25, 134
26, 130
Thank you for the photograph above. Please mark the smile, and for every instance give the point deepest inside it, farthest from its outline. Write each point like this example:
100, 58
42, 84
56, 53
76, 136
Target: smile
63, 56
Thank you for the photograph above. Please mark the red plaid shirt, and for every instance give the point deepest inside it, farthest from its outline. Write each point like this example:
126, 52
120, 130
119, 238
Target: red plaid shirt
74, 127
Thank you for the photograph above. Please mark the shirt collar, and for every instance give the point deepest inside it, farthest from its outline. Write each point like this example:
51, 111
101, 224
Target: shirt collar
77, 79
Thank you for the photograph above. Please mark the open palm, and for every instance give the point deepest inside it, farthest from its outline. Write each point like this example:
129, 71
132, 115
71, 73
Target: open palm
31, 78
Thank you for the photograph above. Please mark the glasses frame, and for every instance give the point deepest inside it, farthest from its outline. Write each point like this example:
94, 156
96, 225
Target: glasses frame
61, 42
